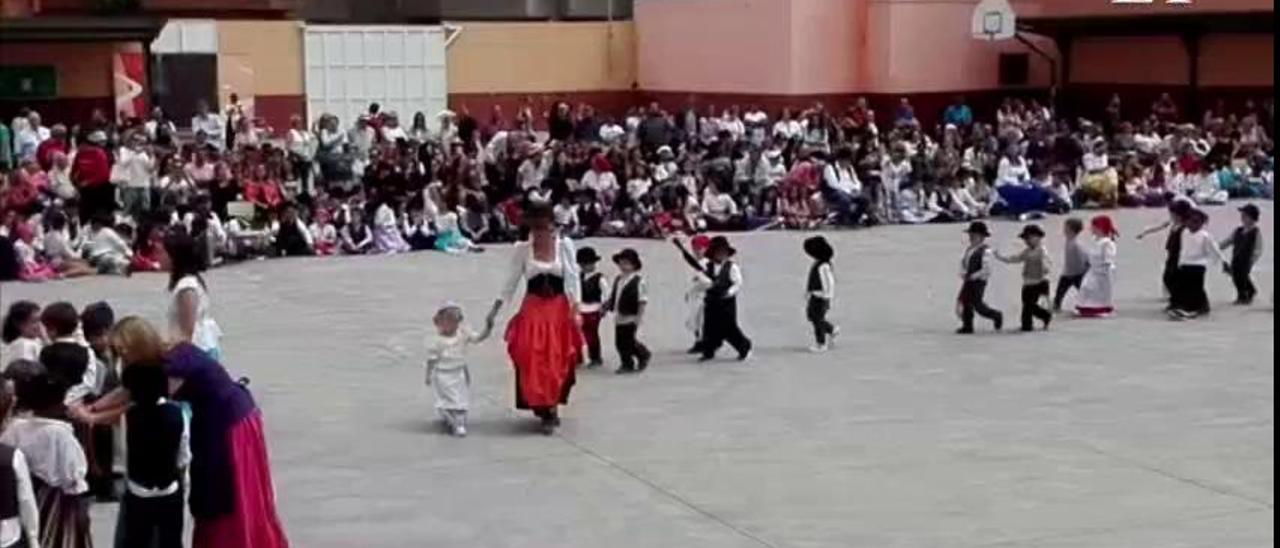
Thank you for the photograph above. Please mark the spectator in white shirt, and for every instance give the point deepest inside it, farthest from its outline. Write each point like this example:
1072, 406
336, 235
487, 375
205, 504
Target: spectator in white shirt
601, 180
720, 211
135, 170
391, 129
210, 124
1013, 168
842, 190
534, 169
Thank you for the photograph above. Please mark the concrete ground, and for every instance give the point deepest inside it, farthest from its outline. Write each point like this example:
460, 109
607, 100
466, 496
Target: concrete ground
1130, 432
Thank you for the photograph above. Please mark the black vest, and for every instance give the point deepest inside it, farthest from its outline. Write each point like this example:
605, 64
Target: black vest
8, 484
592, 290
626, 300
721, 281
1244, 242
815, 277
154, 439
978, 255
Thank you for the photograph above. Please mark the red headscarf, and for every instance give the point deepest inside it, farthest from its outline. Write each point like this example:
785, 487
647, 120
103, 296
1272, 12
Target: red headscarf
1104, 224
701, 242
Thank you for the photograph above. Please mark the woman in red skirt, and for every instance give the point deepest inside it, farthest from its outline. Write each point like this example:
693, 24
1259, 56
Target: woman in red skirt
232, 497
544, 338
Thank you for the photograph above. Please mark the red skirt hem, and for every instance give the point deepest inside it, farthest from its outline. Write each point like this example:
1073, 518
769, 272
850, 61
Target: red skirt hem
544, 343
254, 522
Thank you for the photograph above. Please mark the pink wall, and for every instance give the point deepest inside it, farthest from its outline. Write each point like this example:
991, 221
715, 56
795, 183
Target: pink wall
712, 46
828, 43
1230, 60
927, 46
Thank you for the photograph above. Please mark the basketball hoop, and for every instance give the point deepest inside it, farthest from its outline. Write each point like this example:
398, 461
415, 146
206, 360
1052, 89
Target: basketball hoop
994, 20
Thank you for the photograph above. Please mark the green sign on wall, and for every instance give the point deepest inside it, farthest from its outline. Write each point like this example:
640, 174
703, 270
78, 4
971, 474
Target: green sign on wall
28, 82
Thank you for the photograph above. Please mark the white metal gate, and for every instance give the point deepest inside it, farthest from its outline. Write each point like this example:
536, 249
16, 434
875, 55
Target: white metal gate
402, 68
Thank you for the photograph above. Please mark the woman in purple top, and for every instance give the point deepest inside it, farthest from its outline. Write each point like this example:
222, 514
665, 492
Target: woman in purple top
232, 497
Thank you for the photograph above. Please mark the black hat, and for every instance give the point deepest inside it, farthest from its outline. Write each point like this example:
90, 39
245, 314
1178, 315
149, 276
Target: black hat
1031, 231
588, 255
629, 255
979, 228
720, 243
819, 248
1252, 211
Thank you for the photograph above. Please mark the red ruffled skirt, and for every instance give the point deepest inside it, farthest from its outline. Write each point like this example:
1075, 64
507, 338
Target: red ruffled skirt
545, 344
253, 523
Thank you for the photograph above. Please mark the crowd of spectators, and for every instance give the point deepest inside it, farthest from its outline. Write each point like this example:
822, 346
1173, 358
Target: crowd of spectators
101, 197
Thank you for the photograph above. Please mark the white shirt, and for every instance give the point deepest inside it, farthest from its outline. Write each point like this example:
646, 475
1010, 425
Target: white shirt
566, 215
841, 178
531, 173
206, 333
735, 278
449, 353
983, 273
1011, 173
524, 266
1094, 163
108, 243
213, 126
136, 168
719, 205
637, 188
302, 143
89, 381
894, 173
21, 348
1200, 249
603, 183
612, 133
27, 523
787, 129
53, 454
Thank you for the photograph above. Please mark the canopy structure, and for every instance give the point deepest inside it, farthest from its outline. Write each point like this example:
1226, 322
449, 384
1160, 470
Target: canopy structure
1191, 27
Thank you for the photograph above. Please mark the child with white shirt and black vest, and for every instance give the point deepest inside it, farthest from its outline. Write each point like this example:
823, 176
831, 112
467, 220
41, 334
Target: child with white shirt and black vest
591, 311
629, 299
159, 451
820, 292
720, 318
1036, 266
975, 271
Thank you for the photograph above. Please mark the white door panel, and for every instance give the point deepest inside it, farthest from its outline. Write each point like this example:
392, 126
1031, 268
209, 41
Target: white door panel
400, 67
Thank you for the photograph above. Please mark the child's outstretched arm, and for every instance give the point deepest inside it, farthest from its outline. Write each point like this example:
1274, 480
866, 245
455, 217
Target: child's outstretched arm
486, 332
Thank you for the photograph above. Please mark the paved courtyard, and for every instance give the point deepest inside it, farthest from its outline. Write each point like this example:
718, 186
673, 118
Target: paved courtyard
1129, 433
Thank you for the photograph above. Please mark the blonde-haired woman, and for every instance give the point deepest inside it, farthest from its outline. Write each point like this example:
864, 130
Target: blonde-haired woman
232, 496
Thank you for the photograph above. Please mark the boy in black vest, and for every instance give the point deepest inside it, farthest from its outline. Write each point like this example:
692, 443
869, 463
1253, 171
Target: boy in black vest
820, 291
96, 321
629, 300
720, 321
975, 271
1246, 248
594, 288
158, 454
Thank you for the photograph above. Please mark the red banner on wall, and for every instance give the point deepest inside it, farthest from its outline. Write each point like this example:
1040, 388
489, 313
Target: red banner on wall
129, 70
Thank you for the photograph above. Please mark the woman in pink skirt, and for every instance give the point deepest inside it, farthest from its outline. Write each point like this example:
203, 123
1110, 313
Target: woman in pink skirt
232, 498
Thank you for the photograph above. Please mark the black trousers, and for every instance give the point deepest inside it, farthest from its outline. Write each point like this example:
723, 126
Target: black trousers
720, 326
1031, 309
1242, 277
630, 350
1065, 285
817, 314
973, 302
154, 523
97, 199
1189, 294
1170, 279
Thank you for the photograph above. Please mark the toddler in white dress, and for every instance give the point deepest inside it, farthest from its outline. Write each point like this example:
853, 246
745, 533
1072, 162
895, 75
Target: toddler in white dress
447, 372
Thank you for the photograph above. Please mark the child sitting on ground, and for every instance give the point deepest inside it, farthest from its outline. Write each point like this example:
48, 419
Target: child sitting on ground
109, 252
447, 372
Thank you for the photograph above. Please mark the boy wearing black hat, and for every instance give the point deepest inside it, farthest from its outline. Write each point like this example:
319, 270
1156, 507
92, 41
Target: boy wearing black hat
720, 320
820, 291
975, 271
1035, 277
594, 288
629, 299
1246, 248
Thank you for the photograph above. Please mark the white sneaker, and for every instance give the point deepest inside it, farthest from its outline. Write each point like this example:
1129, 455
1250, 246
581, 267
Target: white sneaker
460, 431
819, 348
835, 333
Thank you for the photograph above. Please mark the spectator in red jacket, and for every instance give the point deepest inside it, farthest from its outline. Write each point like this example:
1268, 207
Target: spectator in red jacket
91, 173
57, 142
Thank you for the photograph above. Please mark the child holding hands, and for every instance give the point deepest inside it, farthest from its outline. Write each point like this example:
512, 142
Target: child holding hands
447, 372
